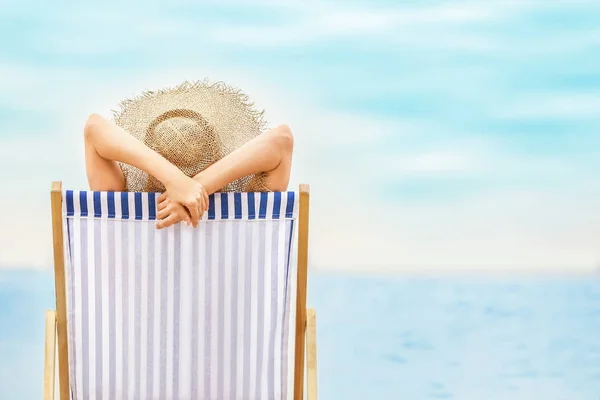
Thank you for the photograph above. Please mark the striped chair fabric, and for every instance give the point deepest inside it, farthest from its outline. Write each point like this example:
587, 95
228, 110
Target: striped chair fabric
180, 313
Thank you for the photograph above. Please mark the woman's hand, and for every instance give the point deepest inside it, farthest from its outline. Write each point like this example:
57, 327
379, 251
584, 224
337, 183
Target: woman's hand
170, 213
190, 195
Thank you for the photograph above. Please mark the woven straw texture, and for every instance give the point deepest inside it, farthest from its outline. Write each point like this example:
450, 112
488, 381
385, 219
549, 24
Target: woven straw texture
192, 125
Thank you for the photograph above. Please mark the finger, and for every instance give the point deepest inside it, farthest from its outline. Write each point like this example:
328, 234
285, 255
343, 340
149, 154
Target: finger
203, 209
188, 216
199, 211
162, 197
171, 220
161, 224
183, 216
179, 216
167, 222
206, 201
162, 214
193, 210
163, 205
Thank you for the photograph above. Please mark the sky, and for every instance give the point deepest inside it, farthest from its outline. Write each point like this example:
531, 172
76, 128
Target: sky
434, 135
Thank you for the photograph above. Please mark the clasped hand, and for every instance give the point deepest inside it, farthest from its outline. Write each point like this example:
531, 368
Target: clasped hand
184, 200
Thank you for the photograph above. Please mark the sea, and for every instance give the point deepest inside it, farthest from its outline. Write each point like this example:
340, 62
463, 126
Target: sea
395, 336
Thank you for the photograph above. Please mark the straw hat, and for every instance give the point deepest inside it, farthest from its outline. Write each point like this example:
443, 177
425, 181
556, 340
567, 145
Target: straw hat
191, 125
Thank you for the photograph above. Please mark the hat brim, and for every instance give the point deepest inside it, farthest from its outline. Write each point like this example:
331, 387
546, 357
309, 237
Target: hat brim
228, 111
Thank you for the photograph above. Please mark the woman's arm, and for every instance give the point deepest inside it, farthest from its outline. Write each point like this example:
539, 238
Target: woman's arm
270, 152
110, 142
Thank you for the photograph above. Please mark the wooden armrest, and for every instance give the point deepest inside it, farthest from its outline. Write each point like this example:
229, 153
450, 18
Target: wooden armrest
311, 354
49, 365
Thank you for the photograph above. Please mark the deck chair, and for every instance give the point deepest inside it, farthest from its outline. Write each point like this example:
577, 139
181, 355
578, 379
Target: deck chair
213, 312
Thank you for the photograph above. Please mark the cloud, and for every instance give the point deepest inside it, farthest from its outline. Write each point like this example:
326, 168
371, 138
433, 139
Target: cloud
13, 77
432, 163
514, 208
498, 230
442, 25
321, 20
552, 106
351, 226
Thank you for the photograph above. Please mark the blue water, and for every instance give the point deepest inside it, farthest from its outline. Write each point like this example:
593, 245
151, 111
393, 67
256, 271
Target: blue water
395, 337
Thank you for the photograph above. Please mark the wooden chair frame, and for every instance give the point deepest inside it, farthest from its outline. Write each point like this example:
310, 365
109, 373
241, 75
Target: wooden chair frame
56, 321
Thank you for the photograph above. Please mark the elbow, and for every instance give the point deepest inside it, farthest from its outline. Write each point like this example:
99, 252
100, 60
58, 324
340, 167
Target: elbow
284, 138
91, 126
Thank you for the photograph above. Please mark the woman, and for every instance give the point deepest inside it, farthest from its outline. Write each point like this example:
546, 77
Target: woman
190, 141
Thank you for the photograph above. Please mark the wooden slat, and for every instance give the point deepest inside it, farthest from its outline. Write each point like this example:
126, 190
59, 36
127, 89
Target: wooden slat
50, 359
311, 354
59, 282
301, 292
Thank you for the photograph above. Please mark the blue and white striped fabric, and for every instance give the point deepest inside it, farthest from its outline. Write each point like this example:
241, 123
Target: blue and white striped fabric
180, 313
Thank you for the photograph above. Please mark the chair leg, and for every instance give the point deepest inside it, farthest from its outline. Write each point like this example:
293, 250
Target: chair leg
50, 357
311, 354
